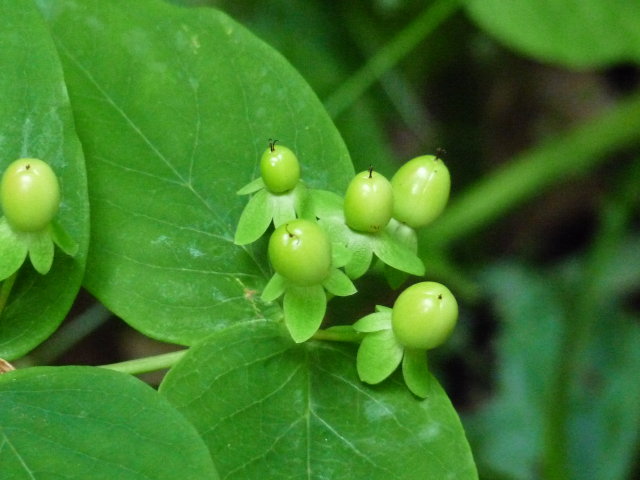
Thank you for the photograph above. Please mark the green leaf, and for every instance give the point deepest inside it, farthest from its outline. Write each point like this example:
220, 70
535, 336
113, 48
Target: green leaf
374, 322
174, 107
270, 409
83, 422
339, 284
304, 309
36, 121
274, 288
576, 33
41, 251
255, 218
416, 372
13, 250
378, 356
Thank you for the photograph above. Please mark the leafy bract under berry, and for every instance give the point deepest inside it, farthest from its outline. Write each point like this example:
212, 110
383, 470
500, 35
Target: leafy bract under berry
420, 190
368, 202
424, 315
29, 195
300, 251
279, 168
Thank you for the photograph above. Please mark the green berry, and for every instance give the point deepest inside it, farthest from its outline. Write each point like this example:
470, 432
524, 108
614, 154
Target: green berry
420, 190
424, 315
368, 202
279, 168
300, 251
29, 195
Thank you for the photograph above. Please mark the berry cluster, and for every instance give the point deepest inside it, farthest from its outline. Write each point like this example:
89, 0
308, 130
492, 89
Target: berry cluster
321, 242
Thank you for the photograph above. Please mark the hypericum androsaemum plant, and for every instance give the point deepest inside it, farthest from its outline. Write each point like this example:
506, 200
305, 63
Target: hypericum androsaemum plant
172, 107
300, 251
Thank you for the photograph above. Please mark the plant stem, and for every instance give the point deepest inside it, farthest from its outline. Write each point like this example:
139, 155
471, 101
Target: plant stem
147, 364
405, 41
69, 335
168, 360
566, 156
615, 216
5, 290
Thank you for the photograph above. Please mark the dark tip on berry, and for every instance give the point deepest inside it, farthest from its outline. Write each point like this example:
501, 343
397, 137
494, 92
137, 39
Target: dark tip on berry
27, 166
286, 227
439, 296
370, 171
440, 153
272, 145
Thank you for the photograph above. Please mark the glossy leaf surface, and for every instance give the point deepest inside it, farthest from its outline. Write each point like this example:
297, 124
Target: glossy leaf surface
83, 422
270, 409
36, 121
577, 33
175, 107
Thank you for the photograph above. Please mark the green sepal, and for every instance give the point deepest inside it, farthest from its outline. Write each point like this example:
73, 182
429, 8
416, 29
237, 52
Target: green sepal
252, 186
275, 288
378, 356
304, 309
326, 204
382, 308
403, 234
339, 284
255, 219
364, 245
361, 257
13, 250
340, 254
41, 250
374, 322
395, 278
63, 240
288, 206
406, 236
395, 254
302, 202
282, 208
415, 371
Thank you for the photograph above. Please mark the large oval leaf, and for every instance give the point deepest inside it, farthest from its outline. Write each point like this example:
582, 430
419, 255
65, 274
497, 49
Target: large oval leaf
84, 422
174, 107
36, 121
270, 409
577, 33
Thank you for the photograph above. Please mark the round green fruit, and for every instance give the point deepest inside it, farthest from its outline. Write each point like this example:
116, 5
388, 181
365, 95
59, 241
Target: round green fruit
300, 251
279, 168
368, 202
420, 190
424, 315
29, 195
